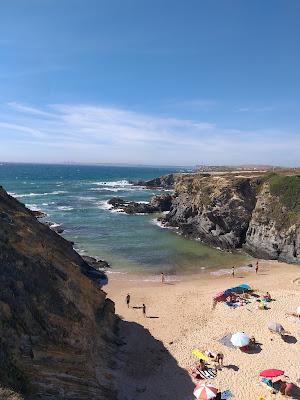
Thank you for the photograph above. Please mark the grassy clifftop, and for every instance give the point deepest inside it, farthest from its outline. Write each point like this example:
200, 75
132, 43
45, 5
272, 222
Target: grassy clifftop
287, 189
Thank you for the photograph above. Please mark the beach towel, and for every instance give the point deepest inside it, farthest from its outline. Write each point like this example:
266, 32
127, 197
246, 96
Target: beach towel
226, 394
292, 319
201, 356
208, 373
225, 340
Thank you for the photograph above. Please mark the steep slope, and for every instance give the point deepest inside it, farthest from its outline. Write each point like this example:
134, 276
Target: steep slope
215, 209
274, 229
56, 325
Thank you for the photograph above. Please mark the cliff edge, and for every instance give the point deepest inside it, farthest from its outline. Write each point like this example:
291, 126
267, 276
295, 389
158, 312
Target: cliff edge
57, 326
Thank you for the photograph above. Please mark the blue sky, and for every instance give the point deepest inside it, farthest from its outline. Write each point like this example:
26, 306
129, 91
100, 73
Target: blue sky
153, 82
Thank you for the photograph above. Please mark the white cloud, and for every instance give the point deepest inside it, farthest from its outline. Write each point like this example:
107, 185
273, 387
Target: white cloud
255, 109
90, 133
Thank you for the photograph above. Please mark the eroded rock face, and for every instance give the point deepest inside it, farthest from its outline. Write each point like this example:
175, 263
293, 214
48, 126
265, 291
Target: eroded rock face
56, 325
217, 210
271, 233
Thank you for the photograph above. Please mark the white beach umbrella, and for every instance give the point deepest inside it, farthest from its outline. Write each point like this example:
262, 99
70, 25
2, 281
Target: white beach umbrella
240, 339
275, 327
205, 391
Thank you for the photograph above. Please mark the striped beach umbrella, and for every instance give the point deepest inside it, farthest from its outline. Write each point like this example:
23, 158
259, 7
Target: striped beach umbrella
205, 392
240, 339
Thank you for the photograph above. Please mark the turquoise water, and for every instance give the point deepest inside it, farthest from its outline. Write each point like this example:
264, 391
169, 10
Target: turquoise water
75, 197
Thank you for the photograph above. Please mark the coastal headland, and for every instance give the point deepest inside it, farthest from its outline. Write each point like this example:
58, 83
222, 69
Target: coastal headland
63, 336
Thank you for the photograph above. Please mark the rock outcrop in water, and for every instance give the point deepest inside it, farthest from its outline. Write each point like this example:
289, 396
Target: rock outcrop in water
57, 328
259, 213
158, 203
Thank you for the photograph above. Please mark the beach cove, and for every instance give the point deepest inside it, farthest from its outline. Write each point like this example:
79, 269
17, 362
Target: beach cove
158, 349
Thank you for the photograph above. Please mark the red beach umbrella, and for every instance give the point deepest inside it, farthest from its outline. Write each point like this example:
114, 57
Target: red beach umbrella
271, 373
205, 392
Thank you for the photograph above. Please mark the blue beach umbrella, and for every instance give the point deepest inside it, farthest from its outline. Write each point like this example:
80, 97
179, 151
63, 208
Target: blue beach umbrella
241, 288
244, 286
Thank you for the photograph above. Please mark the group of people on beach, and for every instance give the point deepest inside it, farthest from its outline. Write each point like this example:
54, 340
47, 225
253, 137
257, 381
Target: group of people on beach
128, 299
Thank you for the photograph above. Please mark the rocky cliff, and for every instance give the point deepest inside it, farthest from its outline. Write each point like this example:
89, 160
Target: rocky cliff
57, 327
274, 228
259, 213
215, 209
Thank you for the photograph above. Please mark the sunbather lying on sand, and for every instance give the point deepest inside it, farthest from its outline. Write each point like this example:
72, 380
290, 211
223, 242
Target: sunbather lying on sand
194, 371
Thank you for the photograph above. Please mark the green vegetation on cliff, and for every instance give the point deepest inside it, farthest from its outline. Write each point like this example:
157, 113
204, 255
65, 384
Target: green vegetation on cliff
287, 188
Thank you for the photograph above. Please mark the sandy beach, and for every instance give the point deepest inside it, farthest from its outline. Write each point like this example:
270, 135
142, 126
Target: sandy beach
157, 349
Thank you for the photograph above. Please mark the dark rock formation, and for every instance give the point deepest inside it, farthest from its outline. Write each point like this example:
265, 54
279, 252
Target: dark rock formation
38, 213
215, 209
97, 264
56, 325
162, 202
157, 204
166, 182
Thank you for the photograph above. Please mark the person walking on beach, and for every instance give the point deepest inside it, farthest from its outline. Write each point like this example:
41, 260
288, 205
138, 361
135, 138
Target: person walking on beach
162, 276
256, 267
144, 310
232, 273
128, 300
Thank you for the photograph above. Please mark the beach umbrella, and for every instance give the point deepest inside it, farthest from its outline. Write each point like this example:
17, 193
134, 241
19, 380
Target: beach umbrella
298, 310
241, 288
244, 286
205, 392
240, 339
271, 373
275, 327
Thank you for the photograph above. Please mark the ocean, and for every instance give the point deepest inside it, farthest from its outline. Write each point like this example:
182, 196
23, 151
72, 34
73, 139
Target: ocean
75, 197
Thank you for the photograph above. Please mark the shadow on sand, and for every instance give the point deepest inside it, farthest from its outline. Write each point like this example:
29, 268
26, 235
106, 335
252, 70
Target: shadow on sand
147, 370
232, 366
289, 339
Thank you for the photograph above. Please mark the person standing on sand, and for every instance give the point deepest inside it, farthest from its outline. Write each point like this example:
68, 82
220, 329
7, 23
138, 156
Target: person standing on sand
144, 310
232, 273
128, 300
162, 276
256, 267
219, 359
